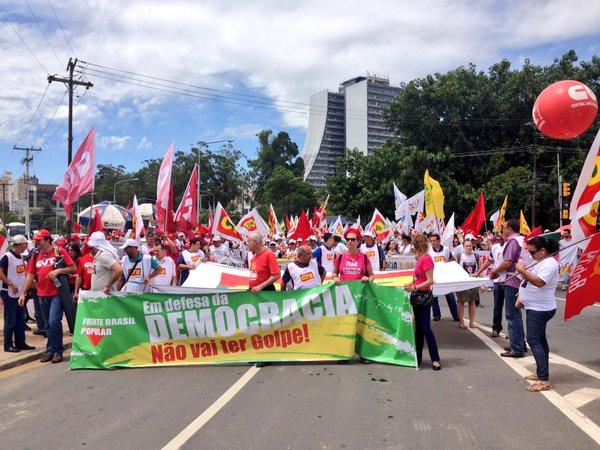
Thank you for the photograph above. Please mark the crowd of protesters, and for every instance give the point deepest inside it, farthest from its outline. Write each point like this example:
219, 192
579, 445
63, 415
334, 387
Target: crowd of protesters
51, 273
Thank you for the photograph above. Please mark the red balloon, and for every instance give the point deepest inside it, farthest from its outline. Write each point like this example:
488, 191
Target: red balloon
565, 109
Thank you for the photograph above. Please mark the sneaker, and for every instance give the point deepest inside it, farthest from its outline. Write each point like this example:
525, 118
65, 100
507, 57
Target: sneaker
511, 354
57, 358
46, 357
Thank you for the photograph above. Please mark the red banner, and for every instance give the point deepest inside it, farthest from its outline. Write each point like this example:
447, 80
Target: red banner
584, 286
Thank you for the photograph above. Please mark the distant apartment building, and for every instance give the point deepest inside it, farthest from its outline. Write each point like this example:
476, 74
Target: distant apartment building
350, 118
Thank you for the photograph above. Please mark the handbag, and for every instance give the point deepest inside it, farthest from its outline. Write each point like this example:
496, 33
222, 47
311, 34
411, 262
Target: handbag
421, 298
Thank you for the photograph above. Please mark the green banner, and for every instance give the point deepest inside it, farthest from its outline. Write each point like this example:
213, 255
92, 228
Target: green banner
329, 322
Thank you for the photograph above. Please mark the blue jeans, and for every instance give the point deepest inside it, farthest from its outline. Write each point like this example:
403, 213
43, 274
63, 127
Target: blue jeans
536, 336
423, 331
451, 305
39, 317
14, 322
498, 305
514, 319
53, 312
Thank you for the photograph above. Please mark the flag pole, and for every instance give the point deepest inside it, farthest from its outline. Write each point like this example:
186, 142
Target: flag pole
91, 209
535, 263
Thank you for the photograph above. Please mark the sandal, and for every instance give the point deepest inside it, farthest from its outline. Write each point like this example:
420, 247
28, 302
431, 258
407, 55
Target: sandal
531, 377
462, 325
472, 325
539, 386
436, 365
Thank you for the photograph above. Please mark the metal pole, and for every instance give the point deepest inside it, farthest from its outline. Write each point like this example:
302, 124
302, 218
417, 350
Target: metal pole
534, 187
560, 219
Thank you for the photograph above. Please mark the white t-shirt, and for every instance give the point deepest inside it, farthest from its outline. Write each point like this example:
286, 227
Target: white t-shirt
470, 263
193, 258
167, 269
496, 254
440, 256
373, 255
221, 252
340, 248
541, 299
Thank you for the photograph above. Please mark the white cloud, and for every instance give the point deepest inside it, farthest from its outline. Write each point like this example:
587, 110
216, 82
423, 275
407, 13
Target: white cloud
144, 143
113, 142
243, 131
286, 50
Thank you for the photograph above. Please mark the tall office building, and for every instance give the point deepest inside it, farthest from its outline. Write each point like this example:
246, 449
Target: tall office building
351, 118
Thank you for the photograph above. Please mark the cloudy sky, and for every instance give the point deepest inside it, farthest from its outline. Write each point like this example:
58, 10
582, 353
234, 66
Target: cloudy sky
243, 66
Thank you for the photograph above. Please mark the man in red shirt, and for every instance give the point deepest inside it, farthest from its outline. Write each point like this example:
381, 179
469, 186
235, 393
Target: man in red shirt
85, 269
43, 267
264, 270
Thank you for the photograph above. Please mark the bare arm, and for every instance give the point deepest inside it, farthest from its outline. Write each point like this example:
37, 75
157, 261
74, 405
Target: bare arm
117, 274
272, 279
28, 283
484, 265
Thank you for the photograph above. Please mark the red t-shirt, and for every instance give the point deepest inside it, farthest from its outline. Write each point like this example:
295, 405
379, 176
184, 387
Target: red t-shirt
85, 269
424, 264
44, 264
262, 267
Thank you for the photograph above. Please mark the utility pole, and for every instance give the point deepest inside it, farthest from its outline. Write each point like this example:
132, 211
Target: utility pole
534, 187
28, 158
70, 83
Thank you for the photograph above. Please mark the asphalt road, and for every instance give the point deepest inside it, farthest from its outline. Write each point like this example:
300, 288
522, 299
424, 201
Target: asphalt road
476, 401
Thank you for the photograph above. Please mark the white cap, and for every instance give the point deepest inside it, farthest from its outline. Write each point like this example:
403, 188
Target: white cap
292, 241
19, 239
312, 237
130, 243
217, 239
369, 234
276, 237
469, 237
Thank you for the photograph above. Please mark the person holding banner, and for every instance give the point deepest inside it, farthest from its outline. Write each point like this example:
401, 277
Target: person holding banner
190, 259
373, 251
167, 275
469, 261
421, 287
107, 266
537, 296
264, 270
304, 273
218, 250
352, 265
138, 269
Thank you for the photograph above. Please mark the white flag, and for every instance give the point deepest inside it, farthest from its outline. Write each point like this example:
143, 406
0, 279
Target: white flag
448, 235
413, 205
399, 199
252, 222
138, 223
495, 217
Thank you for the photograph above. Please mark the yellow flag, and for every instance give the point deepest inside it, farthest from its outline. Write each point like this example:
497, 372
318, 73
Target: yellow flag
523, 227
434, 197
501, 217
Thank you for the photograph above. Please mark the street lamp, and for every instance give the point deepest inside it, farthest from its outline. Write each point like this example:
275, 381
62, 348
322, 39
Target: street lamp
115, 187
201, 144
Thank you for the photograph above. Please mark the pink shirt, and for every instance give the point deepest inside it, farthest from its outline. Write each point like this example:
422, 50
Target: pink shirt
424, 264
351, 267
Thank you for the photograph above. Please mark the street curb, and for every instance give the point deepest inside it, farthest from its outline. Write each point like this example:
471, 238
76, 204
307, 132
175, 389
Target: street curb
27, 358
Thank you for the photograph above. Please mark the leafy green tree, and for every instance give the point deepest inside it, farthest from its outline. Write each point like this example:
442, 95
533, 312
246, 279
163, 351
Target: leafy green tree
287, 192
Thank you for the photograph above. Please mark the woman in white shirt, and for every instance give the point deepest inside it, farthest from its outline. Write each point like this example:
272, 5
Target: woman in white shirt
536, 295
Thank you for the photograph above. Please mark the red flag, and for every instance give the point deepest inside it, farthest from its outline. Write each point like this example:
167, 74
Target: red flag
586, 198
536, 232
584, 286
95, 225
79, 177
76, 228
476, 219
163, 191
186, 217
303, 229
288, 224
223, 226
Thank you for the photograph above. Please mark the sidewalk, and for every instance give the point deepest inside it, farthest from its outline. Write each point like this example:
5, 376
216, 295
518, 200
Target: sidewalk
9, 360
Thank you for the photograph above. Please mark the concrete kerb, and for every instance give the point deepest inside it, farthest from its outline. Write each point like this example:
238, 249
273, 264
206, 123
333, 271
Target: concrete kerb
26, 356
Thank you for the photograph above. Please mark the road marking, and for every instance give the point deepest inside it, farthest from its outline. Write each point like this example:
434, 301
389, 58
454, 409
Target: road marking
582, 397
557, 359
178, 441
569, 410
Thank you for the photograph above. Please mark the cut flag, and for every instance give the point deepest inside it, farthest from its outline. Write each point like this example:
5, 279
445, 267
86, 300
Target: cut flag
252, 222
320, 215
434, 197
186, 216
378, 226
448, 234
336, 228
223, 226
399, 199
586, 198
303, 229
137, 223
273, 223
499, 223
523, 227
79, 177
163, 190
584, 286
476, 219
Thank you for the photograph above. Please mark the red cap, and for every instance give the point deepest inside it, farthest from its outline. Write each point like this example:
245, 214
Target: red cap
62, 243
42, 234
355, 231
75, 237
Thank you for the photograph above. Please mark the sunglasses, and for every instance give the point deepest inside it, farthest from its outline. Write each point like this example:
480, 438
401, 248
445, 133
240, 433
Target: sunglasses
351, 239
533, 252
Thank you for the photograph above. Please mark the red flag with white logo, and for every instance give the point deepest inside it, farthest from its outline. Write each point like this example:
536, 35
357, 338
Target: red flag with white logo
584, 285
186, 216
163, 190
79, 177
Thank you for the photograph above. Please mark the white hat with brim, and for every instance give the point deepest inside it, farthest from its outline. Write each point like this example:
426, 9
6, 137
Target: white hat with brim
130, 243
19, 239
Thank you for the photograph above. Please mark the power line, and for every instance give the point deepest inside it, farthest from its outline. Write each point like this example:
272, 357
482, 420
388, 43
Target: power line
61, 27
51, 118
24, 43
34, 113
43, 33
